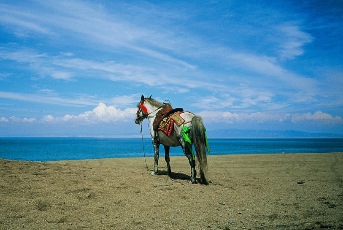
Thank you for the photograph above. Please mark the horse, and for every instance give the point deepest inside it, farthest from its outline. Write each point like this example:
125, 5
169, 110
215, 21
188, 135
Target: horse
191, 131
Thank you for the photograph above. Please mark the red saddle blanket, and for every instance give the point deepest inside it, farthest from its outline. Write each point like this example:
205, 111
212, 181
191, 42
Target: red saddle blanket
167, 123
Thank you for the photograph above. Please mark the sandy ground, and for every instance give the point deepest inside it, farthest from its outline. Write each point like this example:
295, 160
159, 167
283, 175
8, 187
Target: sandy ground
274, 191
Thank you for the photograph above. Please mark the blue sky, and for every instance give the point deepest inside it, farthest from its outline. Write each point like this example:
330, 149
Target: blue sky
78, 68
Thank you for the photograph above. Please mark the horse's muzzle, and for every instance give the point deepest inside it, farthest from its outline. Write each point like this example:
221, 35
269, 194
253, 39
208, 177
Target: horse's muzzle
137, 121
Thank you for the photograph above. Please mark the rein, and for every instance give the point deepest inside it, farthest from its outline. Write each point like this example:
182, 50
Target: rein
155, 110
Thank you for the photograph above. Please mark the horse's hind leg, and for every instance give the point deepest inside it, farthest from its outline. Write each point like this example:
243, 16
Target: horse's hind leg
193, 172
191, 160
166, 150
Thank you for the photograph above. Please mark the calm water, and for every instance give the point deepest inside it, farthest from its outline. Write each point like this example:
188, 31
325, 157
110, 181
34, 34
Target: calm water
52, 149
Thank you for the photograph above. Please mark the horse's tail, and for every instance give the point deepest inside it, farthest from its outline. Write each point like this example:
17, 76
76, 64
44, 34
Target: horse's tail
198, 136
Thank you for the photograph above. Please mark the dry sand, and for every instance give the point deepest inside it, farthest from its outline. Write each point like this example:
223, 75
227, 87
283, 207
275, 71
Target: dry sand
274, 191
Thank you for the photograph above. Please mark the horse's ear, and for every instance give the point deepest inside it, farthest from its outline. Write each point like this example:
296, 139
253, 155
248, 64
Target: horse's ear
142, 98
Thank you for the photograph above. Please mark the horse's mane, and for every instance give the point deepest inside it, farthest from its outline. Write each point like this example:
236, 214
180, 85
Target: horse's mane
152, 102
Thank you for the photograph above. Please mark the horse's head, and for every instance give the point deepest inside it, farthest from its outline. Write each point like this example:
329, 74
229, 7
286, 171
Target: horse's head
147, 107
142, 111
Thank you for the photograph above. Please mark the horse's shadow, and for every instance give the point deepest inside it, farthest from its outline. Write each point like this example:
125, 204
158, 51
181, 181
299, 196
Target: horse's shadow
177, 176
174, 175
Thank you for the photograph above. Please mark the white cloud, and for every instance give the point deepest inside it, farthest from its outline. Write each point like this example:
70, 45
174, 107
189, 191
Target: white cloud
21, 120
3, 119
317, 116
47, 119
30, 120
100, 114
216, 116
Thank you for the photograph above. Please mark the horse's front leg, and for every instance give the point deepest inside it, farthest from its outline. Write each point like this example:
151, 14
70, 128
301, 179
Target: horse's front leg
156, 156
166, 150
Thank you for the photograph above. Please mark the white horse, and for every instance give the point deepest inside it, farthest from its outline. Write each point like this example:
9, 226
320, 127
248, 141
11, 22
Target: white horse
191, 131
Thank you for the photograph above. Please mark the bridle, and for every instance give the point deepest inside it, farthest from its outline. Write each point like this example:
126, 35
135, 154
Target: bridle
144, 111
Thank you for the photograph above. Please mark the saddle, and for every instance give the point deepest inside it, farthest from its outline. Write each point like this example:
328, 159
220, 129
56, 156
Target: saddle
164, 112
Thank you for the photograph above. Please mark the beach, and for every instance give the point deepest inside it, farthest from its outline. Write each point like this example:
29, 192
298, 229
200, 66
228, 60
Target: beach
250, 191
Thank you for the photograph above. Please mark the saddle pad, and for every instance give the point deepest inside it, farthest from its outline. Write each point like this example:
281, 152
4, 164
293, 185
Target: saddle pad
177, 118
166, 126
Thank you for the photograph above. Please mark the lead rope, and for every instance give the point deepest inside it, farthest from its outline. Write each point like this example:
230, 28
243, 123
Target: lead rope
146, 165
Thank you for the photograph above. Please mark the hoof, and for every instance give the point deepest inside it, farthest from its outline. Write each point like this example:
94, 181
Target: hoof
153, 173
193, 181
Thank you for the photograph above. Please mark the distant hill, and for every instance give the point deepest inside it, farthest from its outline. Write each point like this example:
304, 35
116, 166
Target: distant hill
238, 133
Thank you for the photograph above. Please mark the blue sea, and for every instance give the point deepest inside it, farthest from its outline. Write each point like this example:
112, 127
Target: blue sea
68, 148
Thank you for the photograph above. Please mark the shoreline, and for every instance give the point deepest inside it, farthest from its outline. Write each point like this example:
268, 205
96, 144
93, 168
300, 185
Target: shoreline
162, 157
148, 136
270, 191
45, 149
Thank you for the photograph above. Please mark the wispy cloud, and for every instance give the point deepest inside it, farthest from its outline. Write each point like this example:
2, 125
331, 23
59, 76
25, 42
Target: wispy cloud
238, 98
255, 62
22, 22
212, 102
95, 25
45, 99
155, 41
68, 68
39, 63
268, 66
47, 96
124, 101
110, 70
292, 40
